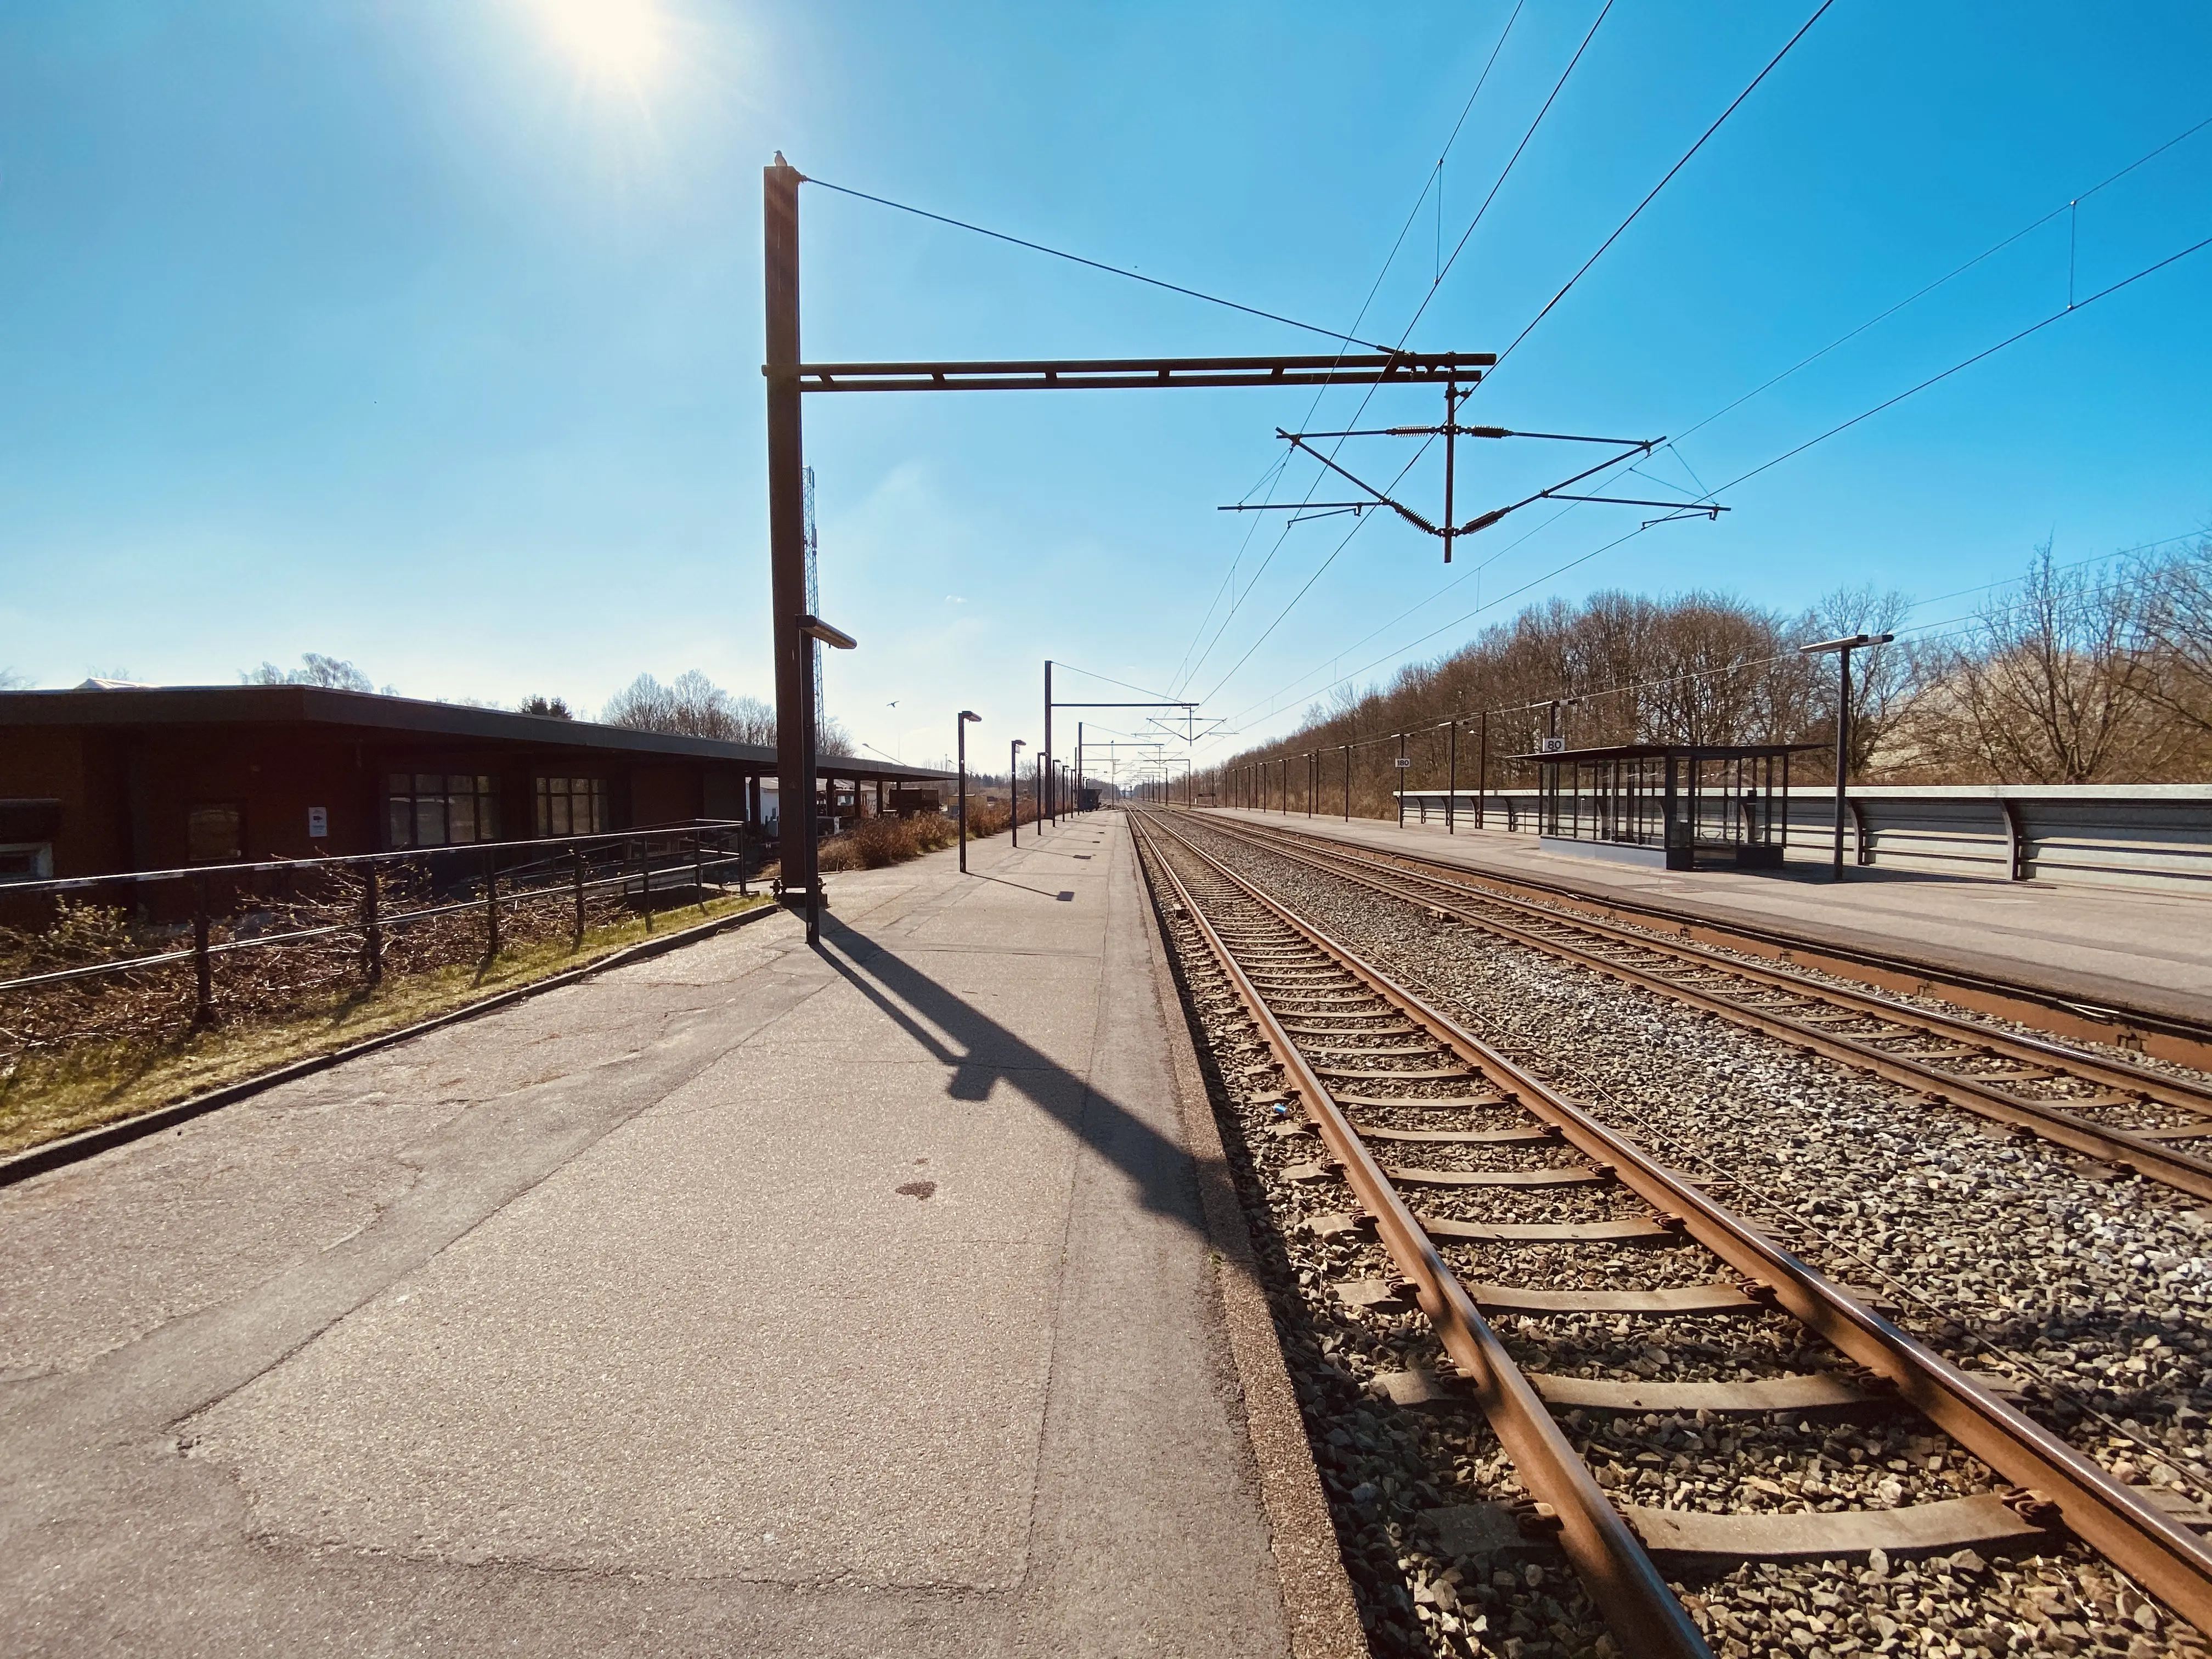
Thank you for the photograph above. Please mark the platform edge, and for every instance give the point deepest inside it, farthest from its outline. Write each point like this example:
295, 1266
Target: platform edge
1317, 1598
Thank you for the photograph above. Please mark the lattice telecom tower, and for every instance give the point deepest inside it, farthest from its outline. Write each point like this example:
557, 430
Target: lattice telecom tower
814, 607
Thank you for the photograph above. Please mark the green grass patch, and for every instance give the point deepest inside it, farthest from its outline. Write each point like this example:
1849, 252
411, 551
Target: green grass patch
46, 1094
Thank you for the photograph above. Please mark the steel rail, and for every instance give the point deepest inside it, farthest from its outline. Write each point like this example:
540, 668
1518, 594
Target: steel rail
2165, 1036
2158, 1552
2122, 1148
1487, 886
1623, 1581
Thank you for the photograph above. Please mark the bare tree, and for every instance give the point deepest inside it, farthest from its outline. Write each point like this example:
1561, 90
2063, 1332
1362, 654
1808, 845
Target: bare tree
315, 669
2174, 614
694, 706
643, 705
1883, 676
2049, 686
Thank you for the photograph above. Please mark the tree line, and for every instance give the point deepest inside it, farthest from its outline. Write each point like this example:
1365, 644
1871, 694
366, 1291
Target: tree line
2069, 675
691, 705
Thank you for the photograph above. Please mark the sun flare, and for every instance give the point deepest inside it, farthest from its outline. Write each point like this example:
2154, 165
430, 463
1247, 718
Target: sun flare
620, 40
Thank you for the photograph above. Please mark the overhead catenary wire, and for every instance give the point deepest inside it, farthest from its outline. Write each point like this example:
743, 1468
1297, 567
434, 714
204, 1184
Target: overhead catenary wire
1089, 673
1804, 29
2067, 207
1099, 265
1356, 525
1498, 183
1184, 673
1506, 172
1704, 492
1471, 572
1844, 426
1965, 363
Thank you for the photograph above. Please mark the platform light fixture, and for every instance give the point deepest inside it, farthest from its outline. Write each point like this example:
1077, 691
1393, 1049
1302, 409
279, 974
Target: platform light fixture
1843, 648
960, 811
815, 629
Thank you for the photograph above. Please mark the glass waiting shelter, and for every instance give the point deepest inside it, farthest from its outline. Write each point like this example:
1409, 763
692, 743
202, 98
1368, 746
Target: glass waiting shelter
1667, 805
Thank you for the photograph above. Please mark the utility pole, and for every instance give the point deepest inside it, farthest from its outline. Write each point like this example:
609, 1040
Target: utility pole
1842, 649
786, 537
1451, 437
1482, 775
1451, 782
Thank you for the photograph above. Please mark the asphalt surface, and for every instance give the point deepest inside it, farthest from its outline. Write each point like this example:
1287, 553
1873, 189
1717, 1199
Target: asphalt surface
751, 1299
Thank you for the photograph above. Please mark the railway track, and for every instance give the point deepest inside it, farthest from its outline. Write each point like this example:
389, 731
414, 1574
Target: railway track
2132, 1118
1392, 1097
2162, 1035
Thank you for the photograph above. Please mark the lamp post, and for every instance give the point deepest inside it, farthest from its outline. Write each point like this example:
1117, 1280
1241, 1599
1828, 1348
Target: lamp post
960, 812
813, 631
1843, 648
1014, 787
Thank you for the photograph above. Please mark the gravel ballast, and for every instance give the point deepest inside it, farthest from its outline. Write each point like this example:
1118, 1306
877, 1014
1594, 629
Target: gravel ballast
2084, 1293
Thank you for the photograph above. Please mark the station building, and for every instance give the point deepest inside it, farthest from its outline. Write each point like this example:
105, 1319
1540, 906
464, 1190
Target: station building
94, 781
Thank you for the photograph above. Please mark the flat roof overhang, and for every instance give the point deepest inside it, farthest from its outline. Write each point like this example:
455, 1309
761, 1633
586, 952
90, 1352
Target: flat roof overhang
367, 713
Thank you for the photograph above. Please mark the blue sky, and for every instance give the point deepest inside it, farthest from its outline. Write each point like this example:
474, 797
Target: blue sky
427, 332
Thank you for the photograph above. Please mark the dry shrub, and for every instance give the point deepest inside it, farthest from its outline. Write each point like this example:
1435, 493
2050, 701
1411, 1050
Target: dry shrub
874, 843
989, 817
986, 819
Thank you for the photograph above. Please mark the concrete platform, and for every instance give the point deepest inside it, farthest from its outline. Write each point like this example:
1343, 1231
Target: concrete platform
748, 1300
2110, 947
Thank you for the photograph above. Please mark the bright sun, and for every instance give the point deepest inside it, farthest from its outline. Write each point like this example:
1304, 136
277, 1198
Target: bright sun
608, 39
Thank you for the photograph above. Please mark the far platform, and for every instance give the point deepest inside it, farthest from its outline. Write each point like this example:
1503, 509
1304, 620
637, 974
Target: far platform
2116, 948
751, 1299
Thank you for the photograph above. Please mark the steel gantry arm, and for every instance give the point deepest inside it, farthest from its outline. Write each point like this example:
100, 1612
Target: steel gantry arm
1147, 374
789, 379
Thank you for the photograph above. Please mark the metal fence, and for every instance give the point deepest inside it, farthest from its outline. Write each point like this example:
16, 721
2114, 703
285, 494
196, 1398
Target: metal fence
130, 953
2156, 837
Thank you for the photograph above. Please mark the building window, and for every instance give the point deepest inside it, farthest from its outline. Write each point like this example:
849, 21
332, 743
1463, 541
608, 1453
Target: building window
440, 809
571, 806
214, 833
30, 860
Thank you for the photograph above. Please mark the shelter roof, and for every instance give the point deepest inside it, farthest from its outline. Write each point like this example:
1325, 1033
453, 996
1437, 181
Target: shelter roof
1700, 752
